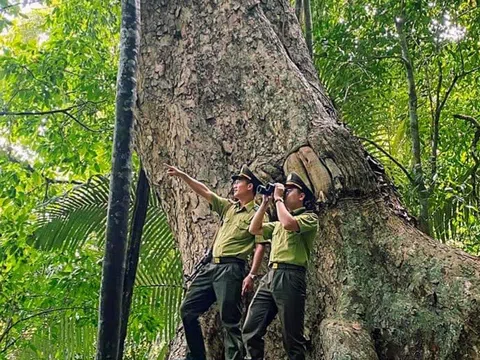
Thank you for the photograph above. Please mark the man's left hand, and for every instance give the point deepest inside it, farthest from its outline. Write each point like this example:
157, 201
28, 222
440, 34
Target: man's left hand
247, 285
279, 191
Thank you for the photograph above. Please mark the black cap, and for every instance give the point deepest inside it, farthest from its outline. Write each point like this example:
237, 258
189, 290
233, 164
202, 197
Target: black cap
295, 180
246, 173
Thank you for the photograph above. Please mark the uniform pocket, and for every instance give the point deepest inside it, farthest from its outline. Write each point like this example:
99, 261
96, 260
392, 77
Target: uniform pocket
243, 225
297, 280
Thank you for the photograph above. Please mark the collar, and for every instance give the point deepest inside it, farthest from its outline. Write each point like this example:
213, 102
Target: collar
298, 211
248, 206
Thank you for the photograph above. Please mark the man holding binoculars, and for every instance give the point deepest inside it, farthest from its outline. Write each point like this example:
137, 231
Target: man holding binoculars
223, 280
283, 289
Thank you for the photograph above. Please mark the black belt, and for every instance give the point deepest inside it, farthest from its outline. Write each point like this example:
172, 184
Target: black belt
284, 266
227, 260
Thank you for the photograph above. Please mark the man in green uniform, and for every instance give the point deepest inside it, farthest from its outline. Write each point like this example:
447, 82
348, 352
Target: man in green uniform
224, 279
283, 289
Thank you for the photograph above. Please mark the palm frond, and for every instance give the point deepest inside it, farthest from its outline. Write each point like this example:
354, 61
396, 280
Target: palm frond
78, 219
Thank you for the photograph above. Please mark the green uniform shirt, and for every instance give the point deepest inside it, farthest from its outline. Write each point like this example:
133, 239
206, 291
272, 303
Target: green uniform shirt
292, 247
233, 238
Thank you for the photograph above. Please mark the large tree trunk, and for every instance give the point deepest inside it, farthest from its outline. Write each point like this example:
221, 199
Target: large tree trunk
231, 82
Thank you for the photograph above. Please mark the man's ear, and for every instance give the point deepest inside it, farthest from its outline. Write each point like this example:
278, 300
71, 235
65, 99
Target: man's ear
302, 196
250, 186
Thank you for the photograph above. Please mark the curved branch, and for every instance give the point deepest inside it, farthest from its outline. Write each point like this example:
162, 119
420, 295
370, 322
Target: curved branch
65, 111
35, 113
468, 118
390, 157
80, 123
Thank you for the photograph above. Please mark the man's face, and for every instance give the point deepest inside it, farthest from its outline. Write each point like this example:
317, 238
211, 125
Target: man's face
242, 188
293, 197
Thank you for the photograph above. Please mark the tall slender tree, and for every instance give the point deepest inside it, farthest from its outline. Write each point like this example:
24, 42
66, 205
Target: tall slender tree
133, 252
414, 127
109, 322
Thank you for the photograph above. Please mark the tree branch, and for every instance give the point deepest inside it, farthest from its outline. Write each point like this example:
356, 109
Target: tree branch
59, 181
80, 123
10, 344
65, 111
452, 85
390, 157
470, 119
9, 6
36, 113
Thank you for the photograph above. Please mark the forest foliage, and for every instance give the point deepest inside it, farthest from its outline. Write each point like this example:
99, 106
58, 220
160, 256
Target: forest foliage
58, 70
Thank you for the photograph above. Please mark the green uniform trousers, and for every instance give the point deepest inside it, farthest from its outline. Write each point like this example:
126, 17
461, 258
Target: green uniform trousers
281, 291
221, 283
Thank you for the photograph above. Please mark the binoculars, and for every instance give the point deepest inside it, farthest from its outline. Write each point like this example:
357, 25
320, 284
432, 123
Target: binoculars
266, 190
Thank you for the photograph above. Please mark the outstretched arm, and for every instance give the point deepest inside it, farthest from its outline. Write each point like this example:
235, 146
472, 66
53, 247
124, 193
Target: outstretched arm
200, 188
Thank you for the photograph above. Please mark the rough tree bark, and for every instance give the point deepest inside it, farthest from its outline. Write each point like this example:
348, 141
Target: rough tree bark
231, 82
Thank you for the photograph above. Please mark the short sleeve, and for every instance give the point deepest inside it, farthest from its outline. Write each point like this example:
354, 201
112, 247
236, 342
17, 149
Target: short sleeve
268, 229
307, 222
219, 204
